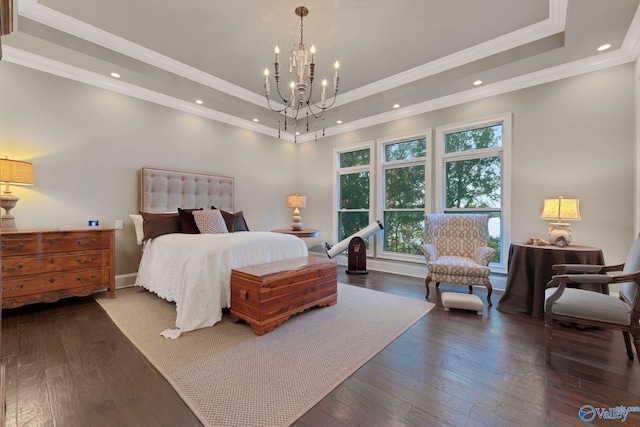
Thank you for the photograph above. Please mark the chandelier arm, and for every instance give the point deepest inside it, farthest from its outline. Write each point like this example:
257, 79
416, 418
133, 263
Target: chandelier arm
275, 109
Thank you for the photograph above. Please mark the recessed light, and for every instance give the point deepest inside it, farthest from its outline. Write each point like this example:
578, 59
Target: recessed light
604, 47
339, 122
116, 75
256, 120
199, 101
396, 105
477, 83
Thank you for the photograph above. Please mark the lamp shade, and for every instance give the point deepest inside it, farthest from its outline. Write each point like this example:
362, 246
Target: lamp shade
561, 208
296, 201
16, 172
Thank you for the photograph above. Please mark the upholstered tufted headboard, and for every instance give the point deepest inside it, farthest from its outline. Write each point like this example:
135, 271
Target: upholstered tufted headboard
166, 191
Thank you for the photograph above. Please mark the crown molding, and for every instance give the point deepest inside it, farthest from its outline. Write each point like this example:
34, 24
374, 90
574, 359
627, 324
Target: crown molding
50, 66
44, 15
554, 24
628, 52
550, 26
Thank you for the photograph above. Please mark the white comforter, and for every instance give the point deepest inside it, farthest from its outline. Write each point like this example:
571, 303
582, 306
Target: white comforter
194, 270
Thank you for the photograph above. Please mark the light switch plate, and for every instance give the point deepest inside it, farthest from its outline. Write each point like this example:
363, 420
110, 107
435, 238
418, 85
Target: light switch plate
118, 224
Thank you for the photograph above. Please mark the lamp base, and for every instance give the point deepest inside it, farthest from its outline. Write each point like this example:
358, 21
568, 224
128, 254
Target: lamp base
559, 234
296, 225
8, 201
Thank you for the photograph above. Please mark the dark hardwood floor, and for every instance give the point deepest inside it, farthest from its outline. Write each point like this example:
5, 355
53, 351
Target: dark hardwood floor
68, 365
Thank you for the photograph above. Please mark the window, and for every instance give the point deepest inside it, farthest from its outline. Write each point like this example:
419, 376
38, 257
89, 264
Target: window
353, 190
475, 175
402, 187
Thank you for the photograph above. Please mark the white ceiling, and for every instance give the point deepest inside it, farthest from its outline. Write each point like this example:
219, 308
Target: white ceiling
421, 54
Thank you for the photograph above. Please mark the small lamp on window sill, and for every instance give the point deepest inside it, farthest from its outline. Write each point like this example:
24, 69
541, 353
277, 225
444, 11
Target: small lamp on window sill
296, 201
12, 172
557, 210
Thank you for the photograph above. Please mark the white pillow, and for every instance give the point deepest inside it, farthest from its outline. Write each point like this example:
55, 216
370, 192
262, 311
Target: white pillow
137, 224
210, 221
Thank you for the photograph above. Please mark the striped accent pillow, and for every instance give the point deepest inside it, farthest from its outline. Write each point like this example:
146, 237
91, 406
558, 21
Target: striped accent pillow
210, 221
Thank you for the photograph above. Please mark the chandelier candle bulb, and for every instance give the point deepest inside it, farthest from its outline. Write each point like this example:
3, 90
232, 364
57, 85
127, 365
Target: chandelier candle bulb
277, 54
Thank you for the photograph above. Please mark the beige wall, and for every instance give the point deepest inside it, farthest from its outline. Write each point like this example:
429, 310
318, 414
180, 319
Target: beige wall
87, 146
574, 137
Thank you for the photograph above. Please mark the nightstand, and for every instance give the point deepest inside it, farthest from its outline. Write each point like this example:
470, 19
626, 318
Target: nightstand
305, 232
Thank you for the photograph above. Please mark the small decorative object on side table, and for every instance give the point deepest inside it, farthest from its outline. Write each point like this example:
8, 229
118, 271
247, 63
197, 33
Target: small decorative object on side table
305, 232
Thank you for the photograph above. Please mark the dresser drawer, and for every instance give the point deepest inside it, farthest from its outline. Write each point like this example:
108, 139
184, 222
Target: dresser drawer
29, 285
17, 245
89, 259
24, 266
85, 242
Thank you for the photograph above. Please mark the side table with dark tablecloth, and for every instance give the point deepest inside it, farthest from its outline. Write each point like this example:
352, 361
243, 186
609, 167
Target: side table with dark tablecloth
530, 269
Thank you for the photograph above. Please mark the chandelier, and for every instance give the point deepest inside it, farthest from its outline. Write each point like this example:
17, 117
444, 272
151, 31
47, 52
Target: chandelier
302, 63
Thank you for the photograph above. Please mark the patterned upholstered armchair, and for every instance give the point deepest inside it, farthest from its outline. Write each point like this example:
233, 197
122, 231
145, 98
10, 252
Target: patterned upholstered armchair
456, 250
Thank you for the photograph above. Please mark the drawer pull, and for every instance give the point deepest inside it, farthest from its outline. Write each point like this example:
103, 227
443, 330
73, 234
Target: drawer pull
83, 243
52, 241
244, 294
20, 286
52, 261
88, 279
20, 265
86, 261
13, 248
52, 280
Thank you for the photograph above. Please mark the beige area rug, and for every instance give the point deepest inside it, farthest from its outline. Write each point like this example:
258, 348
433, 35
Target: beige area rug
231, 377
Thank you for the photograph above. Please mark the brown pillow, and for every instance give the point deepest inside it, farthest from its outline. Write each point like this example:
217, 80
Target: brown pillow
187, 222
235, 221
157, 224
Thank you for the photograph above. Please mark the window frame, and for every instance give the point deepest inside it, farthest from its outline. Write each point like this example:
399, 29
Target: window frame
504, 152
382, 166
338, 171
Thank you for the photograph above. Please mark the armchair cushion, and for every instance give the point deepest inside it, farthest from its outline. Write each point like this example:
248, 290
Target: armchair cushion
587, 305
429, 252
458, 266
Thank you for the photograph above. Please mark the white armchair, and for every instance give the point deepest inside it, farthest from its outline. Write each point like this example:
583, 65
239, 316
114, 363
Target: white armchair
456, 249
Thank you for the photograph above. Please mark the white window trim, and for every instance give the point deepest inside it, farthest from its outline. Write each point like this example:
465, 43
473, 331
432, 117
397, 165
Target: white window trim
505, 152
336, 174
427, 162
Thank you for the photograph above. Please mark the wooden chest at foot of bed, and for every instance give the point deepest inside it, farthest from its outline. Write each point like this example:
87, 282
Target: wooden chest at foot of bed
265, 295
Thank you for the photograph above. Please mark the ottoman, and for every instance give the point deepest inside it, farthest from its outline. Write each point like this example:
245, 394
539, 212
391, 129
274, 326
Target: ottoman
462, 301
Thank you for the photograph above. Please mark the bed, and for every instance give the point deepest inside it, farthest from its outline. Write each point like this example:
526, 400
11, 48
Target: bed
191, 268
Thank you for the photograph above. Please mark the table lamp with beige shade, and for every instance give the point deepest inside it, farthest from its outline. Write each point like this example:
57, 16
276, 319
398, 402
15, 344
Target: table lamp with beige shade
296, 201
560, 209
12, 172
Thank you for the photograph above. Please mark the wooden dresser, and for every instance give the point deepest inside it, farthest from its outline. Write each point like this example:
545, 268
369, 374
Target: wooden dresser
46, 265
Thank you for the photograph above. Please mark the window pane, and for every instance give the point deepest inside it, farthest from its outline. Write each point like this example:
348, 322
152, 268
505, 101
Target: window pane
355, 158
404, 187
354, 191
474, 183
350, 223
474, 139
403, 232
405, 150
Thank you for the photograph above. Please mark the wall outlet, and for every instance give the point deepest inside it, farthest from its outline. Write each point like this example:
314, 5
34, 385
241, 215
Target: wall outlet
118, 224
